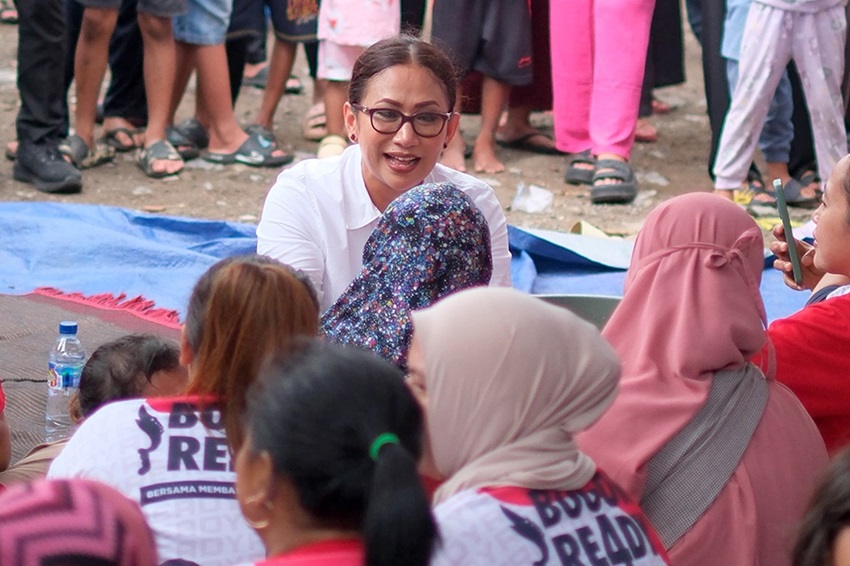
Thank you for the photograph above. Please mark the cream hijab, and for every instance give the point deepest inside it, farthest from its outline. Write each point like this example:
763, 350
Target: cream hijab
509, 380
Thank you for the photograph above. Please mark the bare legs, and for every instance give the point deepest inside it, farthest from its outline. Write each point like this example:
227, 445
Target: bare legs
494, 97
280, 66
90, 62
160, 68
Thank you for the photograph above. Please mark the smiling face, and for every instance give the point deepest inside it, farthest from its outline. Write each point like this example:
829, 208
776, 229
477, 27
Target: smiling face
394, 163
832, 233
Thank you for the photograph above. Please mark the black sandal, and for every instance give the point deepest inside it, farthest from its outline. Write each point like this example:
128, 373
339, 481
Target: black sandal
160, 150
622, 192
581, 175
83, 156
794, 195
194, 131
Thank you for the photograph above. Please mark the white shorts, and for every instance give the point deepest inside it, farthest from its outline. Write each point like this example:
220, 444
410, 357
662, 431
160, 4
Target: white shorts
336, 62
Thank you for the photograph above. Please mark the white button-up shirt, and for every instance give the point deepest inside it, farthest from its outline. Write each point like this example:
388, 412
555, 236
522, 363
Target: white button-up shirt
318, 216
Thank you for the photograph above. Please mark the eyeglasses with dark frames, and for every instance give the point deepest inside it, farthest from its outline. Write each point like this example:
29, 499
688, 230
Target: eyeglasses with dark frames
389, 121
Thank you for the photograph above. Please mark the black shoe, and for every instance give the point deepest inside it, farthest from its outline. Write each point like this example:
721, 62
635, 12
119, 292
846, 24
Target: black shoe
44, 166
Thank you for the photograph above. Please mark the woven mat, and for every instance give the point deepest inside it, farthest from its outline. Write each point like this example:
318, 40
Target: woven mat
28, 327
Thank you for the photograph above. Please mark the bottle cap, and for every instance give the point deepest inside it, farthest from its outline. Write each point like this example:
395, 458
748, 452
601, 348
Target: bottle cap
67, 327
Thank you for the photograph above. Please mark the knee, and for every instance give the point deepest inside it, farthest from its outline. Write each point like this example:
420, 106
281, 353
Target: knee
155, 28
97, 24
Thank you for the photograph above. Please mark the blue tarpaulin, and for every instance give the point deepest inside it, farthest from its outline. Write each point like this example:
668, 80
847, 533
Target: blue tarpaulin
92, 250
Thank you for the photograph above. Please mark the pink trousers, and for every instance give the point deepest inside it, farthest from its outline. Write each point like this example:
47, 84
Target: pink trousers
598, 58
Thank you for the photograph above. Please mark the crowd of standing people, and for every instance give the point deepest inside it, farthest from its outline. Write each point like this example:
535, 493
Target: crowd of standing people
571, 58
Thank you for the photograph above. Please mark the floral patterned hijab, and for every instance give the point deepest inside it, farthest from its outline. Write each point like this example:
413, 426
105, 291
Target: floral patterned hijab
430, 242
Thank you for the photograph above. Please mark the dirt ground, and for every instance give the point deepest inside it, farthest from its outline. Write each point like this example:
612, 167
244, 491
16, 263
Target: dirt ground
673, 165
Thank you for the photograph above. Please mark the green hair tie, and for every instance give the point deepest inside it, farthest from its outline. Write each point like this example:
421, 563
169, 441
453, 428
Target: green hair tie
379, 442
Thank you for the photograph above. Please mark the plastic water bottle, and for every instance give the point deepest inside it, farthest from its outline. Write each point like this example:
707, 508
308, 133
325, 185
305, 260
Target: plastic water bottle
66, 362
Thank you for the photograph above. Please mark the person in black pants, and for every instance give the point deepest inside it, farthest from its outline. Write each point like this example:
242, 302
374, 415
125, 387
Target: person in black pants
41, 122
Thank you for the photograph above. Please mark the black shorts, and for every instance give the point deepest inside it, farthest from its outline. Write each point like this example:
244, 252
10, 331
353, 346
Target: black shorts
293, 20
490, 36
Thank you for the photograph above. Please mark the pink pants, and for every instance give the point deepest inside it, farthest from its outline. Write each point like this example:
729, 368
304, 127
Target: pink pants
598, 58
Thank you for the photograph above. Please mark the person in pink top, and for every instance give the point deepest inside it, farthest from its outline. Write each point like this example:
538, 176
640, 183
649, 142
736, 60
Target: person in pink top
722, 458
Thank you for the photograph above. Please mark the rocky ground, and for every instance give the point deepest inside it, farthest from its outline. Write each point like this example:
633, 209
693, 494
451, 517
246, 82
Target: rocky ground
673, 165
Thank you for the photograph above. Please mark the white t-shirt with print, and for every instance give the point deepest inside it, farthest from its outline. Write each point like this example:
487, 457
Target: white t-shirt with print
596, 525
173, 460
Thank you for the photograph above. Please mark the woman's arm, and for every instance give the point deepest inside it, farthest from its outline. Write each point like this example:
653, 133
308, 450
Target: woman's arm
486, 201
289, 231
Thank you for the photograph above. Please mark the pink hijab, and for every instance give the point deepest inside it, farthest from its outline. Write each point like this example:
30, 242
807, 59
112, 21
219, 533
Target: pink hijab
73, 522
509, 380
691, 307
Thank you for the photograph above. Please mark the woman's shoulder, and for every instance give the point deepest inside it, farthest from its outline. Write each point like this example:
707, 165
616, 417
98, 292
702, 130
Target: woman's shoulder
829, 317
316, 176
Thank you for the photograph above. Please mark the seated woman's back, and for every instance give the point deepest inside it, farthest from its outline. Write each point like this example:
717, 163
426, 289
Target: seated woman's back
721, 457
507, 380
172, 455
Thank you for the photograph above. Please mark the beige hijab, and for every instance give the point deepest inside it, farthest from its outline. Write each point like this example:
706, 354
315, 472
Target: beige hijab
510, 379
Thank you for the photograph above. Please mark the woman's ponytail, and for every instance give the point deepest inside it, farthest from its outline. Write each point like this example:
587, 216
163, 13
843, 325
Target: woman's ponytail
398, 527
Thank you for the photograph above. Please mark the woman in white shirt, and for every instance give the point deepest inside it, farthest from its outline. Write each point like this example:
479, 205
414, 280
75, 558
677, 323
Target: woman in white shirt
319, 213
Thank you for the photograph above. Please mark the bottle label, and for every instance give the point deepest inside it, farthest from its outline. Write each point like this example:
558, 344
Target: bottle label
63, 376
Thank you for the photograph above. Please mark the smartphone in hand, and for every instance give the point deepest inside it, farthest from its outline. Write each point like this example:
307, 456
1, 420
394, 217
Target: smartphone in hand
782, 206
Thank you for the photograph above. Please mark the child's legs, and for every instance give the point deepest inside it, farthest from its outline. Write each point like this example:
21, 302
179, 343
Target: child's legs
160, 67
335, 64
90, 65
280, 65
292, 25
571, 24
818, 49
778, 131
201, 33
764, 55
225, 133
621, 30
494, 98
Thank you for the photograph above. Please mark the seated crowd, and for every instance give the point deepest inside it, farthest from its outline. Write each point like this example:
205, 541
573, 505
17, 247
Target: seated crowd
368, 391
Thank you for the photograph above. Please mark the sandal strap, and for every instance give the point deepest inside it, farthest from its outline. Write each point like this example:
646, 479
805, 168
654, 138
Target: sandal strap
162, 149
613, 169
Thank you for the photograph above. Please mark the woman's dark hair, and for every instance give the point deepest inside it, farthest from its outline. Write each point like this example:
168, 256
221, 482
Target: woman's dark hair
828, 514
242, 310
402, 50
121, 369
317, 412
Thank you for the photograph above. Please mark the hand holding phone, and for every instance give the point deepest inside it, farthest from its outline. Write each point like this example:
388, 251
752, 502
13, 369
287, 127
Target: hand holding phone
782, 206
